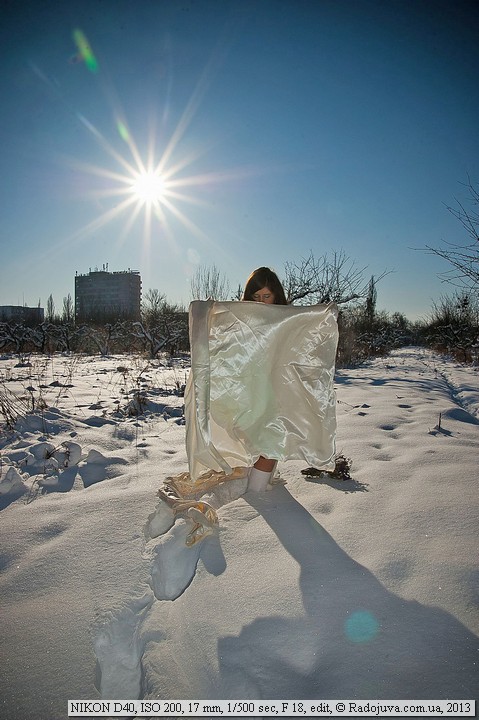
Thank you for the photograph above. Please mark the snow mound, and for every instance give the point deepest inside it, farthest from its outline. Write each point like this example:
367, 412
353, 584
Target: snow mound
12, 483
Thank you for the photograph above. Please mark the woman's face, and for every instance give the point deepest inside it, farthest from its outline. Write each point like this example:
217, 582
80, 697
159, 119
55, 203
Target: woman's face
264, 295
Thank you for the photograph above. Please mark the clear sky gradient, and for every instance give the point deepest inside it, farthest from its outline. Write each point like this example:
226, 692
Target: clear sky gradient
282, 127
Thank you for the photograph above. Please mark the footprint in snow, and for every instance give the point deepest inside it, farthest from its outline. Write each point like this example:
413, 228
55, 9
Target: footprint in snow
119, 642
119, 649
159, 521
173, 563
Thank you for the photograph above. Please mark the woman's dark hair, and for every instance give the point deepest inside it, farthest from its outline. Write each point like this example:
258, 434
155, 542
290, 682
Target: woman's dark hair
261, 278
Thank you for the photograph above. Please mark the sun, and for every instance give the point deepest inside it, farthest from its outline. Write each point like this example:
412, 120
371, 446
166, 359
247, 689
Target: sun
148, 187
158, 188
156, 182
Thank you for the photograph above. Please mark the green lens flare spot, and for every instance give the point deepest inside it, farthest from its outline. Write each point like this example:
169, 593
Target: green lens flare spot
361, 626
85, 50
123, 131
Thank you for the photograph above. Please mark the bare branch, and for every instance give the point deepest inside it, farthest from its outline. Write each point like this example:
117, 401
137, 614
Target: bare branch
209, 282
464, 259
332, 278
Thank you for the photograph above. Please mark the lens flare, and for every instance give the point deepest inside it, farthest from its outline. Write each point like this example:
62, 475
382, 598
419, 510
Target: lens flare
85, 50
123, 131
361, 626
150, 184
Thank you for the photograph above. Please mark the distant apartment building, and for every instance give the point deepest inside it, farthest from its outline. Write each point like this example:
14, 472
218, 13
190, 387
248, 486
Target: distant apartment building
103, 296
19, 314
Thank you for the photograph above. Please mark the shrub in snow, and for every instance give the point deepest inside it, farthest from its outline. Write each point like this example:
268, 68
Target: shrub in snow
42, 450
12, 482
68, 454
342, 469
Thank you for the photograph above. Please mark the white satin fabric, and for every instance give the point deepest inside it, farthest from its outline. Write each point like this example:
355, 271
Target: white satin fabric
261, 383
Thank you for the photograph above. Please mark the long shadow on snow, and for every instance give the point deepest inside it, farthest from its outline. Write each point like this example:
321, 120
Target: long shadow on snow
356, 640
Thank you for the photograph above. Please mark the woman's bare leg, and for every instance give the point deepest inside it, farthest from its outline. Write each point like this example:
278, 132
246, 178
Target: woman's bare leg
264, 464
260, 474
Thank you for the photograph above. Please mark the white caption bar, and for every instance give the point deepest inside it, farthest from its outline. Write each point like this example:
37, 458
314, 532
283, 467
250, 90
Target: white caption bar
270, 708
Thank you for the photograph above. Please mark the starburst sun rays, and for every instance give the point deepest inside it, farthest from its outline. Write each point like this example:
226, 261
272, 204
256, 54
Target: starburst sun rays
152, 188
155, 191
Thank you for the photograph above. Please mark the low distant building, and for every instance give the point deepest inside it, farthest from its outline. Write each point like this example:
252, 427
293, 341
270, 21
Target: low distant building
19, 314
103, 296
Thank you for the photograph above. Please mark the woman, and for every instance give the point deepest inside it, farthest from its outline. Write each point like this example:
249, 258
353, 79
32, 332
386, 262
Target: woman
263, 285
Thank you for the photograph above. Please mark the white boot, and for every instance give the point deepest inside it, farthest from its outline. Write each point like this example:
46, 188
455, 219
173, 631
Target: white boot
258, 480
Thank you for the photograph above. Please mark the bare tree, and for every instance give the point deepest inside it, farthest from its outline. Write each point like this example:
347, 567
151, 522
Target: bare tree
329, 278
9, 337
151, 337
209, 282
371, 299
463, 258
238, 295
152, 306
68, 313
163, 326
104, 337
50, 313
333, 278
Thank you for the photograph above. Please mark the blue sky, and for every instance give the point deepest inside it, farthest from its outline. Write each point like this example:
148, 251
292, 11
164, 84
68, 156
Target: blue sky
284, 128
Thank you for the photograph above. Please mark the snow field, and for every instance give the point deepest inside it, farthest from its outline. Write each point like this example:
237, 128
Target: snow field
319, 589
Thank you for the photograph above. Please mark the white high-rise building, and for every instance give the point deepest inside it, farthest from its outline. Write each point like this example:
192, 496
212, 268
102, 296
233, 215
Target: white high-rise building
108, 296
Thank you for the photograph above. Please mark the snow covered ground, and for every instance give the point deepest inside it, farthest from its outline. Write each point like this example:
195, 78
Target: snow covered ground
319, 588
